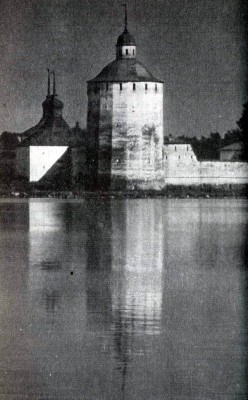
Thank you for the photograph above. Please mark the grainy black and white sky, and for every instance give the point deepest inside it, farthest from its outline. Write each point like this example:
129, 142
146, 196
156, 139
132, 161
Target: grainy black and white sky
195, 46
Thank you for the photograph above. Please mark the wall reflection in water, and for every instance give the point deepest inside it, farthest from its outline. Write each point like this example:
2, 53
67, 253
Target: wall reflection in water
126, 299
202, 298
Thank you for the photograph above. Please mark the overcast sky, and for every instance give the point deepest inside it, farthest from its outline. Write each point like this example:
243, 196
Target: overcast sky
195, 46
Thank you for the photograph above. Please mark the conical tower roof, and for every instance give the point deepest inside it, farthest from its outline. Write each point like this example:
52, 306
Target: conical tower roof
125, 68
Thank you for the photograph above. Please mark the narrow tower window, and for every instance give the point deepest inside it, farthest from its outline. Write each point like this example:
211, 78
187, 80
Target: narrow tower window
106, 86
126, 51
120, 86
133, 51
134, 86
156, 87
146, 86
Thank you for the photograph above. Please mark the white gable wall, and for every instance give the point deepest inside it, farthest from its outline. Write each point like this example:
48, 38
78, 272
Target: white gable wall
42, 158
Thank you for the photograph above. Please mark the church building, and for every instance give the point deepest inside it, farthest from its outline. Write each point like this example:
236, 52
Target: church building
124, 121
51, 154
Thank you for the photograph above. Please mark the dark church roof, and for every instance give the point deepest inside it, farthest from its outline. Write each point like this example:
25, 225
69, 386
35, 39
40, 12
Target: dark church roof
52, 131
125, 70
126, 39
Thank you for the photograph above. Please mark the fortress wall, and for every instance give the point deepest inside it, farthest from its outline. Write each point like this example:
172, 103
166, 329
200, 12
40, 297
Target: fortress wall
119, 130
221, 173
137, 138
183, 168
105, 129
125, 124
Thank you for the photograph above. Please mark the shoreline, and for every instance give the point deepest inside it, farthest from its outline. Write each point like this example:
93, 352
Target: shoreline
174, 192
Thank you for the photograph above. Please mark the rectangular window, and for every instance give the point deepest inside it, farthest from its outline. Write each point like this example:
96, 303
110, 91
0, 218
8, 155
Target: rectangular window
106, 86
126, 51
133, 52
146, 86
134, 86
120, 86
156, 87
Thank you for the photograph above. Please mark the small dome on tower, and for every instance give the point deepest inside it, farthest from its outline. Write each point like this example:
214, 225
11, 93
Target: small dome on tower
126, 39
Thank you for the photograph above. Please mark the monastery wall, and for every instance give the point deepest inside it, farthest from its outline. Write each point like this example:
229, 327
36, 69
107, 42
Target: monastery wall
182, 168
137, 137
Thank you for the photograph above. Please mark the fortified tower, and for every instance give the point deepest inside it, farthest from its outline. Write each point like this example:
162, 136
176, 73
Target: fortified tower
125, 121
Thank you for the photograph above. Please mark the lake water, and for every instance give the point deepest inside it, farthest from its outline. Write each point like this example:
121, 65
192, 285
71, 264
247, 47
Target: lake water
123, 299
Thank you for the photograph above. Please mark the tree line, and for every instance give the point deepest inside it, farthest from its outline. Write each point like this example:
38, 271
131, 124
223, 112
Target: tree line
208, 148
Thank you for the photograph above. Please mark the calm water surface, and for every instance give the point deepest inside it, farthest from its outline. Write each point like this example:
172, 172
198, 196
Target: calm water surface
123, 299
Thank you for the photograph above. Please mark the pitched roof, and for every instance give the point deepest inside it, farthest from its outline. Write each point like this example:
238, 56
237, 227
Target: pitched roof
52, 129
48, 132
233, 147
125, 70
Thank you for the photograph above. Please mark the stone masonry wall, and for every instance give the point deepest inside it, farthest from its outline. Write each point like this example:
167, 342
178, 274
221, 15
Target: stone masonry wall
125, 128
137, 136
182, 168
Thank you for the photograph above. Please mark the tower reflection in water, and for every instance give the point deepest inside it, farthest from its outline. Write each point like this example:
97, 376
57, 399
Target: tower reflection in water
124, 283
154, 304
113, 299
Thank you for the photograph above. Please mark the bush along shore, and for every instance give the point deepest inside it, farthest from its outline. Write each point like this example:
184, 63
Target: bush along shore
170, 191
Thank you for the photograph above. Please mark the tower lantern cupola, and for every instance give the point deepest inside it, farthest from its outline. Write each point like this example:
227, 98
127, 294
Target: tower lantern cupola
126, 46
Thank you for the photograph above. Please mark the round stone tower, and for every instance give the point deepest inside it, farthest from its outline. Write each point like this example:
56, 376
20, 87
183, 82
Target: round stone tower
125, 122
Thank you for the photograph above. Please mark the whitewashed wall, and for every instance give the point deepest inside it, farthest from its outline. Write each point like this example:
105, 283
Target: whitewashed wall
182, 168
137, 130
42, 158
